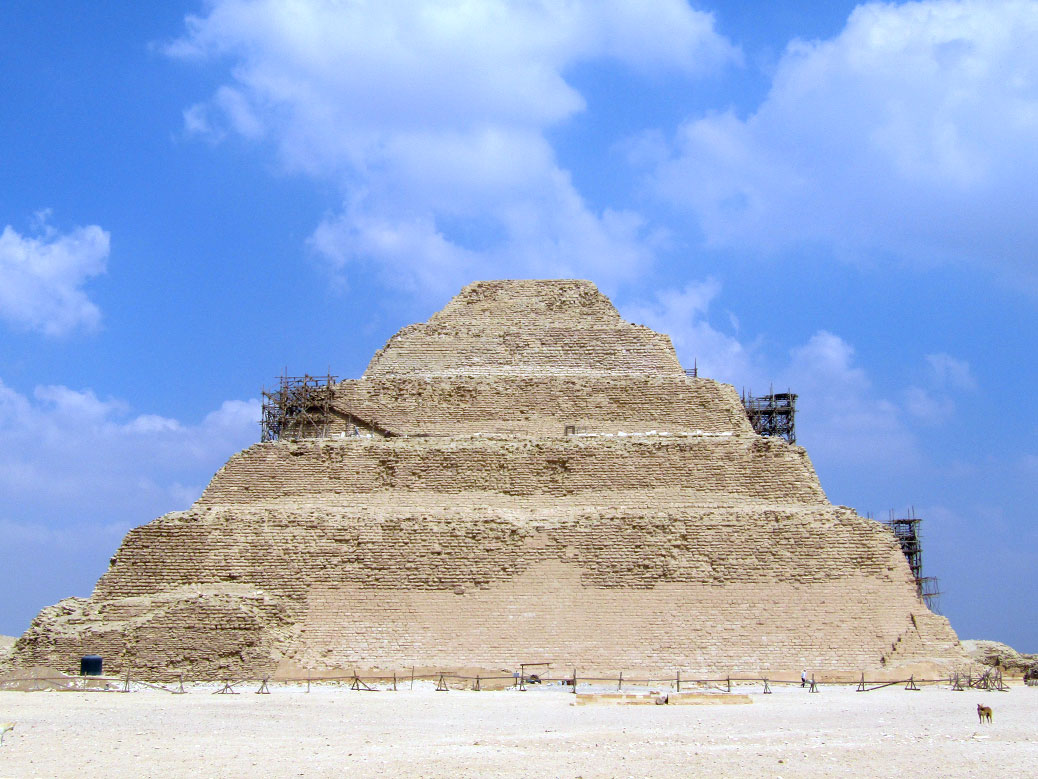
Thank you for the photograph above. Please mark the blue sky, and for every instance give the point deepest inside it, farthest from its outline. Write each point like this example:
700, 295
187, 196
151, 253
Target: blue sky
833, 198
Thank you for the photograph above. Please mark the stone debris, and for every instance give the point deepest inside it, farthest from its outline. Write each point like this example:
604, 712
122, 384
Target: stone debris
1000, 655
524, 477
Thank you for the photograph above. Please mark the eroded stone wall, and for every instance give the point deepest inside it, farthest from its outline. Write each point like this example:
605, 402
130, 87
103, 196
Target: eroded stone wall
324, 471
543, 405
705, 589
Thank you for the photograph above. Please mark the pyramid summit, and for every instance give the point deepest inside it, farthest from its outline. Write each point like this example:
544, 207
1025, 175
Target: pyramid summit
526, 328
525, 476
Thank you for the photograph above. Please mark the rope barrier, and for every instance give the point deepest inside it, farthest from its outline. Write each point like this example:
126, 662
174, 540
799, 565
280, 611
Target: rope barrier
479, 682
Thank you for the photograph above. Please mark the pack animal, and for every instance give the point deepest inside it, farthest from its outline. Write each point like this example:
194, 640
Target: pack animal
984, 713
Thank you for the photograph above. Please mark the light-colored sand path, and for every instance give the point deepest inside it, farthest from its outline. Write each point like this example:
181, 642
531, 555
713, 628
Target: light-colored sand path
333, 731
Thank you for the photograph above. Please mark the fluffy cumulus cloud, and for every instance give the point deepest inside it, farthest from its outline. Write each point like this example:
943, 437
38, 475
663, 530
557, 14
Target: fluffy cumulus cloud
842, 419
909, 135
946, 377
431, 116
78, 471
950, 373
42, 276
684, 314
64, 452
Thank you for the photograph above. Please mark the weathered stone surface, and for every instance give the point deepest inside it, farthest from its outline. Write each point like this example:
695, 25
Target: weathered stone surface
1000, 655
664, 535
6, 651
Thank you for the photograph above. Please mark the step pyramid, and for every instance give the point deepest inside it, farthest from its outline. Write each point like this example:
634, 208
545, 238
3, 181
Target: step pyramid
524, 477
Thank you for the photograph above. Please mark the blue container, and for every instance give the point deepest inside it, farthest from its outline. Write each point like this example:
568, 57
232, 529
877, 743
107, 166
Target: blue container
90, 665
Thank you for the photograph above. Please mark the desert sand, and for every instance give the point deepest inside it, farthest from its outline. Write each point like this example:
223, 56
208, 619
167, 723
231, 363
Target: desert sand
332, 731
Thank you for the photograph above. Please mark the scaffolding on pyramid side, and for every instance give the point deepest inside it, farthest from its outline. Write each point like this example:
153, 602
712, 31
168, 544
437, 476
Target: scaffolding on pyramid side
906, 531
299, 407
773, 414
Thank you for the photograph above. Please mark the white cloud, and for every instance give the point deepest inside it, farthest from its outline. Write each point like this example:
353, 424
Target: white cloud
910, 134
1029, 464
431, 117
947, 377
68, 456
841, 419
41, 277
43, 538
927, 406
947, 372
683, 314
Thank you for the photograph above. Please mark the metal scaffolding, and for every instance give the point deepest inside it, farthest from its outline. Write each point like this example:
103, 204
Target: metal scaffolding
299, 407
906, 531
773, 414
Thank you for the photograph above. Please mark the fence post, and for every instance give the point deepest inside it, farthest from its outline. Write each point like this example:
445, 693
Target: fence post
394, 681
679, 681
574, 681
126, 687
620, 684
729, 683
412, 677
308, 681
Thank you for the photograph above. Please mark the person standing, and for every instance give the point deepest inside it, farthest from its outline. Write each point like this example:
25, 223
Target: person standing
803, 678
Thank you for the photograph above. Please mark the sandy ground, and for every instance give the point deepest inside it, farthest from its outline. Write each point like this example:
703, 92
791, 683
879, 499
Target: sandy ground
332, 730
